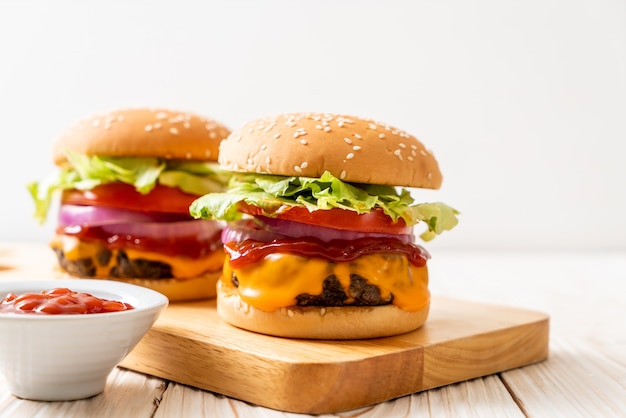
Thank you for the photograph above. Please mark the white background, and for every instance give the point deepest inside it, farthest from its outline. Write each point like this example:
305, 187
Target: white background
523, 103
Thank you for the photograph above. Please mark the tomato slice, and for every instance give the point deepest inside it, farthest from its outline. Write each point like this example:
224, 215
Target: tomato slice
374, 221
120, 195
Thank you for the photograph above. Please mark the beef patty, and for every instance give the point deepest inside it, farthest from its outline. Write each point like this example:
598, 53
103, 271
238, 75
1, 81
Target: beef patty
360, 293
124, 268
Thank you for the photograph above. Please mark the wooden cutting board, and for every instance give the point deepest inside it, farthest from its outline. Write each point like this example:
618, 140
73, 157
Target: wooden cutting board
461, 340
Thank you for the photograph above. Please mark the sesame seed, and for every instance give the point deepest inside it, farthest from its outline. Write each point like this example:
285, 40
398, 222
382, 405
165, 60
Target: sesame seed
263, 147
268, 160
357, 136
148, 128
342, 175
290, 313
402, 145
423, 152
372, 126
319, 127
250, 161
429, 175
381, 135
157, 125
413, 146
303, 141
304, 164
174, 131
356, 147
298, 169
340, 124
161, 115
410, 158
186, 125
322, 311
348, 141
398, 154
350, 156
327, 129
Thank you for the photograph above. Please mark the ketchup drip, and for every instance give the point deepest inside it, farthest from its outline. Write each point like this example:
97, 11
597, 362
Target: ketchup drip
251, 251
189, 245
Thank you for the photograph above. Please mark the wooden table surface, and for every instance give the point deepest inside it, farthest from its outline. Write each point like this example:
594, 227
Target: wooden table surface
585, 375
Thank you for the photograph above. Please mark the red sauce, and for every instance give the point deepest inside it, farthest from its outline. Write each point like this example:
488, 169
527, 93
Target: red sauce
187, 245
250, 251
60, 301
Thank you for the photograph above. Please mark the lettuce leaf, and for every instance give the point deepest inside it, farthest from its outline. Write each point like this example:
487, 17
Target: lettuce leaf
274, 194
86, 172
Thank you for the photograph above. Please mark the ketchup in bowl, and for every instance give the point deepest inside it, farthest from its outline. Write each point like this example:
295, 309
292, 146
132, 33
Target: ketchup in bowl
60, 301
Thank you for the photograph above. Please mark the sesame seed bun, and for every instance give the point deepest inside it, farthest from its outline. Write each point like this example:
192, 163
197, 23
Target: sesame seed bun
143, 133
315, 322
353, 149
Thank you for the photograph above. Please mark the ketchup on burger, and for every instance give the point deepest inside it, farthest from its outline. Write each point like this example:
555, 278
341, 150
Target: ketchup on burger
126, 180
319, 242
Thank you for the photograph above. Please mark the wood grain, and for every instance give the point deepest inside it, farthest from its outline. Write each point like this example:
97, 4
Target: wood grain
576, 381
462, 340
138, 393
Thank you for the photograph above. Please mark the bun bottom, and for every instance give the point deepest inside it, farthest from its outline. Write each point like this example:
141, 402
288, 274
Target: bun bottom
316, 322
176, 290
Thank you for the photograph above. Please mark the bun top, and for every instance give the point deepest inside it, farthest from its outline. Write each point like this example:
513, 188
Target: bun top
353, 149
159, 133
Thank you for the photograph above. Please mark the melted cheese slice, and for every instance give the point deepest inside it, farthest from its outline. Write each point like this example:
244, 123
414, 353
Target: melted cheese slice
275, 281
182, 267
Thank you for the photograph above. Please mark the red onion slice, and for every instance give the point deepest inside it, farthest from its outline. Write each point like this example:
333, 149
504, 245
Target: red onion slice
295, 229
244, 229
198, 229
71, 215
266, 229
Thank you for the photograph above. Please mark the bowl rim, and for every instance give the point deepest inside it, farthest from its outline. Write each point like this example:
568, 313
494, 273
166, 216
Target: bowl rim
141, 298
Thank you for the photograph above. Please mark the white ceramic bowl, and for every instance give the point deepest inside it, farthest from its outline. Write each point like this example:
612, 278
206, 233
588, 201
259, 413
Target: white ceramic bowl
65, 357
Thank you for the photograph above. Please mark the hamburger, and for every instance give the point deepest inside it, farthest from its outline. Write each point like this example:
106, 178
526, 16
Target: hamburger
126, 179
320, 238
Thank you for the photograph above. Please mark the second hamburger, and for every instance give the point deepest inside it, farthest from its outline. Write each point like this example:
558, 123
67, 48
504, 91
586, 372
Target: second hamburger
126, 179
